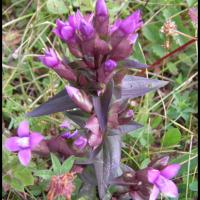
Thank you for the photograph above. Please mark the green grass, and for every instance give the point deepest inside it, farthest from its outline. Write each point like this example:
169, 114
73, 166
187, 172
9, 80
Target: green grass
27, 84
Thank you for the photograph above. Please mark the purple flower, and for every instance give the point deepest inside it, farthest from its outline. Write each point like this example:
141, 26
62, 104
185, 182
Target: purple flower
110, 65
24, 143
161, 181
50, 59
101, 9
86, 29
80, 142
69, 135
65, 30
131, 24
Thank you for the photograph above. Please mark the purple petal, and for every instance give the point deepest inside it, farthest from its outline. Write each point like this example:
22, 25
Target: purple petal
35, 139
69, 135
65, 124
23, 129
154, 193
24, 156
81, 142
11, 144
170, 171
153, 174
167, 187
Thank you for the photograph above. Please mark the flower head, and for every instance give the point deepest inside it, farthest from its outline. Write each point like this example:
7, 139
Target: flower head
24, 142
193, 13
50, 59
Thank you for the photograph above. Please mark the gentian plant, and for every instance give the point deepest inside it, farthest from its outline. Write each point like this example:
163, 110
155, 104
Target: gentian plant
95, 101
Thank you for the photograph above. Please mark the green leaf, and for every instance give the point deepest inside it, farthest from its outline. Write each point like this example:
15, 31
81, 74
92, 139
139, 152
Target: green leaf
194, 186
45, 174
138, 53
172, 68
24, 175
156, 122
55, 163
57, 7
67, 164
190, 2
17, 185
171, 137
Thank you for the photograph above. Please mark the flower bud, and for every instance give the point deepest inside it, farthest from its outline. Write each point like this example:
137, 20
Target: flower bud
110, 65
86, 29
101, 9
69, 135
126, 116
50, 59
80, 98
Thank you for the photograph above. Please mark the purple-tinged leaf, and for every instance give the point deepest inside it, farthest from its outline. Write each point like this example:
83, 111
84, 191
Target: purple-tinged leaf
101, 105
134, 86
88, 175
78, 116
128, 63
58, 103
123, 129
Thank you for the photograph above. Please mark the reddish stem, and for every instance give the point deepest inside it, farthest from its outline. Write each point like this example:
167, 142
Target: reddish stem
159, 61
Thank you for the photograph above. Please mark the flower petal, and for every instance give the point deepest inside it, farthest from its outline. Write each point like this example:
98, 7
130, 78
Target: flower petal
24, 156
35, 139
11, 144
154, 193
153, 174
170, 171
23, 129
167, 187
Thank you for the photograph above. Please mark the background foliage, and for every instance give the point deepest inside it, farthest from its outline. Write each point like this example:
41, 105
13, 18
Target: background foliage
169, 115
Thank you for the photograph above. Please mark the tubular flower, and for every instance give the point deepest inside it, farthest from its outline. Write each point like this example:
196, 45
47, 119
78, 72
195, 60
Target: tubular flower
51, 60
80, 98
24, 142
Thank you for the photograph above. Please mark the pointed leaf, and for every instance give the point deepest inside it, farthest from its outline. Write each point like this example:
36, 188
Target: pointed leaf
101, 105
123, 129
45, 174
58, 103
55, 164
67, 165
132, 64
134, 86
78, 116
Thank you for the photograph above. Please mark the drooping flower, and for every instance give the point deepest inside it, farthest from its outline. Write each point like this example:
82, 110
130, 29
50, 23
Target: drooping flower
80, 98
23, 143
162, 183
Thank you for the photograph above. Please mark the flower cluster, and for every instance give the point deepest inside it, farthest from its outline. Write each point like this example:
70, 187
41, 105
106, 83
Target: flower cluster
96, 99
98, 45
